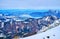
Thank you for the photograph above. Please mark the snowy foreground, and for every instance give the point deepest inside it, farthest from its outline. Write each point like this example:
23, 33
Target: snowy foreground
54, 31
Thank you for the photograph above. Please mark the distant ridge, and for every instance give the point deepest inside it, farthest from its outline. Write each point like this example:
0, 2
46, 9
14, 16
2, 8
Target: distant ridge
31, 12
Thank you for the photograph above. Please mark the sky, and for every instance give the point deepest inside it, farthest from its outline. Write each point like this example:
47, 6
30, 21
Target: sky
29, 4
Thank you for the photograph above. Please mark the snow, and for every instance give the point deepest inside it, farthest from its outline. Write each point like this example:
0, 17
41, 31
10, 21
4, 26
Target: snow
54, 33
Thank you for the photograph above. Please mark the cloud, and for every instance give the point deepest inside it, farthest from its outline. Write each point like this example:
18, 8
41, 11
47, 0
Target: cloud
25, 15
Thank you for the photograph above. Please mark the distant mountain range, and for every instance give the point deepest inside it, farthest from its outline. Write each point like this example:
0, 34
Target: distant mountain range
33, 13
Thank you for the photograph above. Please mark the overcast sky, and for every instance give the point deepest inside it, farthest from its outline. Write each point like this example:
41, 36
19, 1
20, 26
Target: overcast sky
29, 4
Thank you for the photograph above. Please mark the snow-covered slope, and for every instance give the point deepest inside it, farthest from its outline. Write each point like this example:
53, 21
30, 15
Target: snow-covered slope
53, 33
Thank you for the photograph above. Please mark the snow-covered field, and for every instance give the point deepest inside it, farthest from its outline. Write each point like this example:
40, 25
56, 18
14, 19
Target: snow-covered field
53, 33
